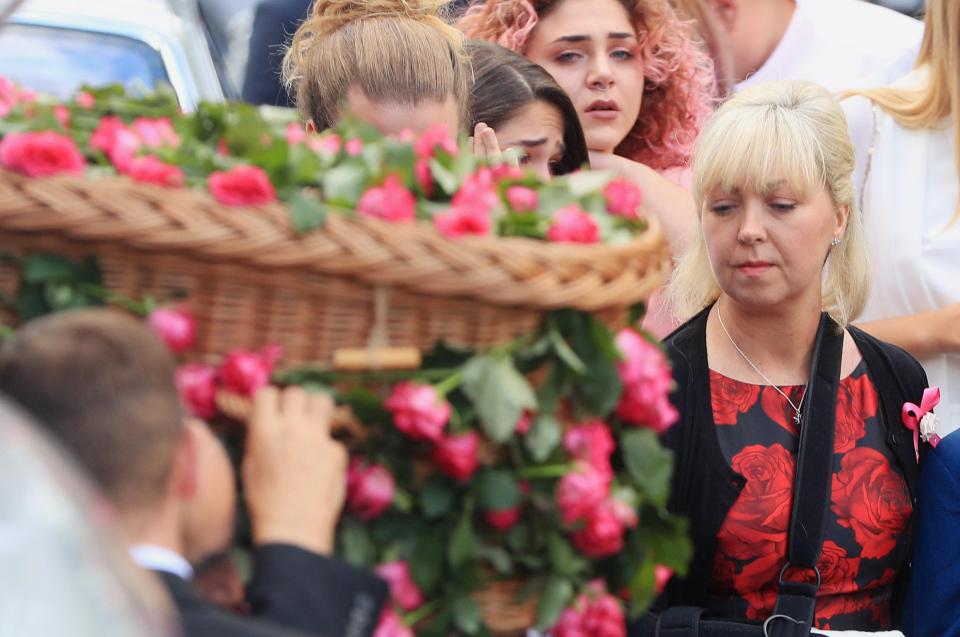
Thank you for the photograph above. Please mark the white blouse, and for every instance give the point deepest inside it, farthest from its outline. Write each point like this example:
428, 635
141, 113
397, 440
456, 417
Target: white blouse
909, 200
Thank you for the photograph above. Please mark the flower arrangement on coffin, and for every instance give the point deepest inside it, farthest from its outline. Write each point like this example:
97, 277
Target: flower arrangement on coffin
534, 466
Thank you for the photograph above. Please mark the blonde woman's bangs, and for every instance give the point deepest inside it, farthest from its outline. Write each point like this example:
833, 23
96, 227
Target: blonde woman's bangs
757, 152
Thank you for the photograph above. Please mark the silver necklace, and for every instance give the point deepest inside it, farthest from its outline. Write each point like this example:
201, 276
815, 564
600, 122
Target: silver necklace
796, 408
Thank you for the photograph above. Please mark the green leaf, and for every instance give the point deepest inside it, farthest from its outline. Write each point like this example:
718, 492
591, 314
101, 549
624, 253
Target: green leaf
665, 537
565, 352
466, 614
563, 559
599, 389
367, 406
648, 463
585, 182
307, 212
497, 490
38, 268
543, 437
426, 565
498, 558
344, 184
499, 392
436, 497
643, 587
356, 544
557, 593
463, 545
445, 178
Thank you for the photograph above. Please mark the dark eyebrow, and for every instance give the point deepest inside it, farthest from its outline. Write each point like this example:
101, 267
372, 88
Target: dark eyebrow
528, 143
585, 38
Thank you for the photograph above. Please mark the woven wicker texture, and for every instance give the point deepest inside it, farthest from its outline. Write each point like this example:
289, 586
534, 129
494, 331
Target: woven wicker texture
250, 279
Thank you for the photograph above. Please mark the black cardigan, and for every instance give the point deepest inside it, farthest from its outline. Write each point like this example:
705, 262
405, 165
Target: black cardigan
704, 487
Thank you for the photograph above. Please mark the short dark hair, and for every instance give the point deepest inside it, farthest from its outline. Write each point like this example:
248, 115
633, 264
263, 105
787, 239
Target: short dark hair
504, 82
102, 384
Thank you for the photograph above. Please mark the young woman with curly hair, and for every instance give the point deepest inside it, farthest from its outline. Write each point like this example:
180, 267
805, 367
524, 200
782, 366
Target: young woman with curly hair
640, 84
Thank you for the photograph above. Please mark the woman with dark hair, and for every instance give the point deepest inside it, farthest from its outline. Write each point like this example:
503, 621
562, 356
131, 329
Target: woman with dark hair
516, 104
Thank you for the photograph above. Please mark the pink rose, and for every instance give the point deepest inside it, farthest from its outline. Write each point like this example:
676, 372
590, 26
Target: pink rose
353, 147
592, 443
570, 624
458, 222
580, 492
421, 171
504, 519
370, 489
389, 202
477, 192
155, 132
9, 96
85, 100
623, 198
506, 172
151, 170
403, 589
625, 514
197, 385
523, 423
522, 199
62, 113
604, 617
602, 536
457, 456
175, 325
295, 134
646, 383
418, 412
329, 144
242, 186
244, 372
116, 141
392, 626
662, 575
572, 225
436, 136
40, 154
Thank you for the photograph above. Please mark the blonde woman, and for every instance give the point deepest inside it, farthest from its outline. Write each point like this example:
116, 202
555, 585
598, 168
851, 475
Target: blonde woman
393, 63
908, 141
780, 248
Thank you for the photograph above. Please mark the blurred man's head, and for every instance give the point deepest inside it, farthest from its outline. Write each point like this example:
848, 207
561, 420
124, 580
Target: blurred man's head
102, 384
749, 30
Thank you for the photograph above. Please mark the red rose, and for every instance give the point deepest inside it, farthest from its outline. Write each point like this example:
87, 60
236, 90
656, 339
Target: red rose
757, 522
155, 132
40, 154
777, 407
460, 221
730, 398
838, 573
580, 492
602, 536
662, 576
570, 624
151, 170
403, 590
757, 584
389, 202
391, 625
457, 456
604, 618
856, 401
572, 225
436, 135
522, 199
116, 141
242, 186
197, 385
592, 443
502, 520
523, 423
418, 411
646, 378
623, 198
370, 489
870, 498
245, 372
175, 325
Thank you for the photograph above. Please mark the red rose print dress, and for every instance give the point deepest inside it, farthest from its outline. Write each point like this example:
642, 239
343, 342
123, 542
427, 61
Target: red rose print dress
866, 539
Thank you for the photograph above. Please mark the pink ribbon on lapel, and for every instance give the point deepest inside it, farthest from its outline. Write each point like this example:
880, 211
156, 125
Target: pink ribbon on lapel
912, 415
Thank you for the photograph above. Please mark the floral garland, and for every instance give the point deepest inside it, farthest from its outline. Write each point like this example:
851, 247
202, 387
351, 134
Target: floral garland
537, 461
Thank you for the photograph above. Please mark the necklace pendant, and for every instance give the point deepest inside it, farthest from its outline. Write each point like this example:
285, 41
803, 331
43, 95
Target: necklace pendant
796, 417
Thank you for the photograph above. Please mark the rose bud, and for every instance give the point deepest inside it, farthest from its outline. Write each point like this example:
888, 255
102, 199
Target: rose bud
457, 456
504, 519
580, 492
370, 489
572, 225
392, 626
602, 536
403, 589
244, 372
418, 412
197, 385
175, 325
623, 198
662, 575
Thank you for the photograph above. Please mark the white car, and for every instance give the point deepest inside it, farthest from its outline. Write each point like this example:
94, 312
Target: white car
55, 46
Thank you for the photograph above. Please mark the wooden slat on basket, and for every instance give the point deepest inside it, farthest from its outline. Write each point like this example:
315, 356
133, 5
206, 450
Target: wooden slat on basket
250, 279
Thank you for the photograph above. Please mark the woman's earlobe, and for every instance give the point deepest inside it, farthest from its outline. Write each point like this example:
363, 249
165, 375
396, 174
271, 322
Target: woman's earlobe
310, 126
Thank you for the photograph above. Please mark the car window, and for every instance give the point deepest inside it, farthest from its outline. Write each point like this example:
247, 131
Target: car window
58, 61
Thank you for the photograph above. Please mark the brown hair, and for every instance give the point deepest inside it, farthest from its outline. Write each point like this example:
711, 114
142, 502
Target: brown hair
505, 82
679, 85
393, 50
102, 384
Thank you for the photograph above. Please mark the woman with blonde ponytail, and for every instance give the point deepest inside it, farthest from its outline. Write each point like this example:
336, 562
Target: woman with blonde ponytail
393, 63
907, 137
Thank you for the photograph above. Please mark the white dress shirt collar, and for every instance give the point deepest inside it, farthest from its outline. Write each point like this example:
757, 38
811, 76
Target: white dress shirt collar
158, 558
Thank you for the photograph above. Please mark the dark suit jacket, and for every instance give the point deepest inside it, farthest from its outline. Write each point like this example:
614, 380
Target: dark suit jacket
293, 593
274, 23
933, 601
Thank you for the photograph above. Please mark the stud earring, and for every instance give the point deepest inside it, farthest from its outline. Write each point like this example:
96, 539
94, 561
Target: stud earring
835, 242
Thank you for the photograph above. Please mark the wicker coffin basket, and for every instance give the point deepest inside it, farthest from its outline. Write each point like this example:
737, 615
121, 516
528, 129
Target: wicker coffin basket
250, 279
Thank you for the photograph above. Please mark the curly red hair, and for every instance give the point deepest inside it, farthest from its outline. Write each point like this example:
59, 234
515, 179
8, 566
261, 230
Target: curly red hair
679, 83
